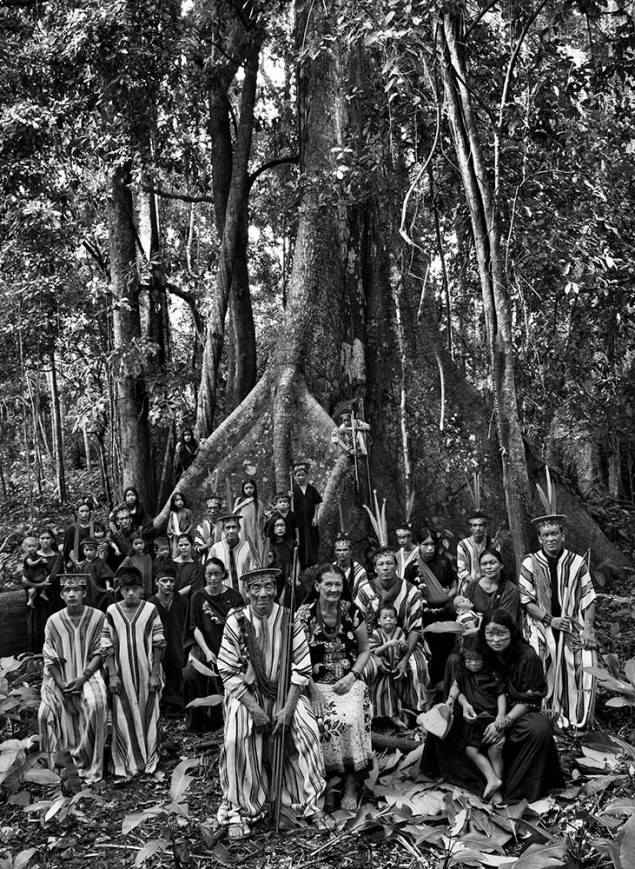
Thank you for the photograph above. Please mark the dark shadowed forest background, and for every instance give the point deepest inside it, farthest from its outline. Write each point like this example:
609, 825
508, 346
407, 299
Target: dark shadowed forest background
235, 215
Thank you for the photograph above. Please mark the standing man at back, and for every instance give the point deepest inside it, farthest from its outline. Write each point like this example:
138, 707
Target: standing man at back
468, 550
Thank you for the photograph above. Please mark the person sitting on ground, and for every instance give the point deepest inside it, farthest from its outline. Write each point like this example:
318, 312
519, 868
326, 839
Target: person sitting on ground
480, 693
530, 756
74, 706
180, 521
249, 663
131, 648
142, 561
465, 614
100, 578
412, 667
173, 611
338, 646
34, 572
209, 608
209, 530
388, 646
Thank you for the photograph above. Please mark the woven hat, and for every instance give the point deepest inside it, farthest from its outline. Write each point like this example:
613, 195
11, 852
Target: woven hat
263, 573
72, 580
229, 516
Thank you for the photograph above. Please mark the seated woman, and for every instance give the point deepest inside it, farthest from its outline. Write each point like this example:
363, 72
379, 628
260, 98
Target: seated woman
338, 646
203, 635
530, 757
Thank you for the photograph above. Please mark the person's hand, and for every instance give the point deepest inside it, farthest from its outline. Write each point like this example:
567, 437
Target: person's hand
115, 685
588, 639
314, 522
468, 712
154, 683
74, 686
318, 703
260, 718
500, 723
344, 685
392, 644
211, 660
401, 670
560, 623
282, 719
491, 734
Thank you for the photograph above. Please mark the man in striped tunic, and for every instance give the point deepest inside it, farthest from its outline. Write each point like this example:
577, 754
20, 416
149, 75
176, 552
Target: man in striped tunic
249, 661
353, 571
557, 593
74, 708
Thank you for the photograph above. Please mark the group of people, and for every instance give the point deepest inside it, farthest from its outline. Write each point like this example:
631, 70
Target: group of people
236, 606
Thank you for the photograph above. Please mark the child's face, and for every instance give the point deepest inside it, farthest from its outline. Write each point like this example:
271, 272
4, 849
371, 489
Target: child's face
99, 535
282, 504
387, 620
462, 604
90, 552
179, 503
163, 550
166, 584
300, 476
185, 547
132, 594
30, 545
280, 528
138, 546
474, 663
248, 490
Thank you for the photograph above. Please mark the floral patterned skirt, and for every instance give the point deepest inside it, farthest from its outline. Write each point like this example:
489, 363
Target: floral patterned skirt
346, 741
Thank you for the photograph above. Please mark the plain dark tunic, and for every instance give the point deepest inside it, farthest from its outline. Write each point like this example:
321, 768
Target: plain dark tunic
531, 762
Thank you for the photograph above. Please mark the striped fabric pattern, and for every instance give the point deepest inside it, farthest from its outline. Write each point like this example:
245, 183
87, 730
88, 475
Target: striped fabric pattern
571, 691
135, 711
245, 757
468, 551
75, 722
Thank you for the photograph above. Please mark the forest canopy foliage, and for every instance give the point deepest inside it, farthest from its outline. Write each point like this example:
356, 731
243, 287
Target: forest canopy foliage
163, 163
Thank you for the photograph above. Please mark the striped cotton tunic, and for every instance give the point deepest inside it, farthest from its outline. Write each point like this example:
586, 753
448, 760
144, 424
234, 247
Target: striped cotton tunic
244, 773
74, 722
134, 641
570, 690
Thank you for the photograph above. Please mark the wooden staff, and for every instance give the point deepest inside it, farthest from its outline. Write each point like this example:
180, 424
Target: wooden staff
284, 681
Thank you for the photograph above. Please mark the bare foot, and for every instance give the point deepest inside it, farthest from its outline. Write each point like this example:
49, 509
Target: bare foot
492, 786
497, 798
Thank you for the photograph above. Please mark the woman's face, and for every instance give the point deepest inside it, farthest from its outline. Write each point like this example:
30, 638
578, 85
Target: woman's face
497, 637
491, 567
130, 498
427, 548
214, 576
249, 490
84, 513
46, 541
330, 587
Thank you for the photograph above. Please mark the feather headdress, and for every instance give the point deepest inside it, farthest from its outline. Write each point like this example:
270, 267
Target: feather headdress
378, 520
475, 491
548, 500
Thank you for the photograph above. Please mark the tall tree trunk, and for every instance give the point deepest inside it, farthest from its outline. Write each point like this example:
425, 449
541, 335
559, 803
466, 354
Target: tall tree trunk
58, 434
131, 398
485, 221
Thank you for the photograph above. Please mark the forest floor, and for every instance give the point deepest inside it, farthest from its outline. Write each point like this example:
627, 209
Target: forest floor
168, 819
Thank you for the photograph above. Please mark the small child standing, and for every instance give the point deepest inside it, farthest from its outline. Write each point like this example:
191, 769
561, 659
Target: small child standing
143, 562
180, 521
100, 578
481, 695
34, 571
387, 647
465, 613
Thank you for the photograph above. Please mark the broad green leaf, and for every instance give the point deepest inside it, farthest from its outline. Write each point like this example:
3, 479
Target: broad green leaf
211, 700
133, 820
202, 668
222, 855
154, 846
180, 780
58, 804
20, 860
41, 777
627, 846
542, 857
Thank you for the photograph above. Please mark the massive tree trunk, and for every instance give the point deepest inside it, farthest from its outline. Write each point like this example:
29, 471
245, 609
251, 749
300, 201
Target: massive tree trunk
129, 362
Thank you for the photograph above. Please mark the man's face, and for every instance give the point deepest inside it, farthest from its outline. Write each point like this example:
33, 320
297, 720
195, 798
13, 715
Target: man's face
124, 520
132, 594
84, 513
404, 538
477, 529
262, 595
343, 552
166, 585
551, 539
73, 597
385, 568
231, 531
213, 508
